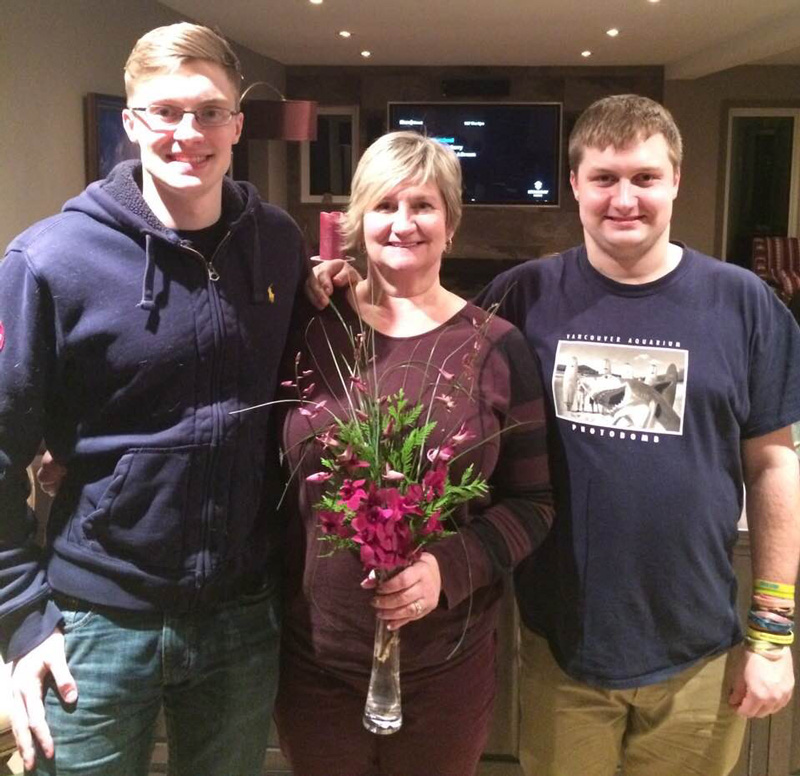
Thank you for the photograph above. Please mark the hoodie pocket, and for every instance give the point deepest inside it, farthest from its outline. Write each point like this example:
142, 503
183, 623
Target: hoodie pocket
141, 516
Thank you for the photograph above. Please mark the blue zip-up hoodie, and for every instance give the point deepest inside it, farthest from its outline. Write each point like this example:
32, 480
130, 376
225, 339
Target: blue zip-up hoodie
126, 352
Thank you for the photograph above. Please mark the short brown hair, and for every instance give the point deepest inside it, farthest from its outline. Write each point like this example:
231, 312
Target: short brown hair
165, 49
619, 121
398, 157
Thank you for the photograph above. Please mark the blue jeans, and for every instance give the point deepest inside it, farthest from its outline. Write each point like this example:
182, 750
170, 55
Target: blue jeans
214, 672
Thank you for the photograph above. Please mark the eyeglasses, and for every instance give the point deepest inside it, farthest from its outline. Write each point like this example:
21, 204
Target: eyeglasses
169, 116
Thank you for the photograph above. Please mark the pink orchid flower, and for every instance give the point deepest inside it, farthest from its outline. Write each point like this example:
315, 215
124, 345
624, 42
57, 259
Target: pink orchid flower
314, 411
350, 460
319, 477
392, 475
328, 439
448, 401
462, 435
437, 454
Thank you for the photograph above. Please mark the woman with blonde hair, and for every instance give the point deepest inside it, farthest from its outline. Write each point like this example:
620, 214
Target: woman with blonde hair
404, 211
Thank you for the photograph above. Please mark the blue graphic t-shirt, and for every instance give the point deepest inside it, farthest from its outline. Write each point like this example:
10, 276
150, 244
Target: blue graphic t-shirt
651, 390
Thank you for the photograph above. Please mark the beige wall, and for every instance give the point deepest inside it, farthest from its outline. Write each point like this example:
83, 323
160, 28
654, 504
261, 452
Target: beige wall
51, 54
698, 108
500, 233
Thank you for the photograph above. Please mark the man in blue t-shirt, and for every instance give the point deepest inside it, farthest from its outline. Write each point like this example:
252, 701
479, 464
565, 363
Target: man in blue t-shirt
673, 379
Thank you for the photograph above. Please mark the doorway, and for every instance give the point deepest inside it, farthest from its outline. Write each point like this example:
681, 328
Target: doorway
762, 180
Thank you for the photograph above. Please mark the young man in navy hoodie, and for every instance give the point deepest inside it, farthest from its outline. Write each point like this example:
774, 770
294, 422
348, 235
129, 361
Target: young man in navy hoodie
134, 324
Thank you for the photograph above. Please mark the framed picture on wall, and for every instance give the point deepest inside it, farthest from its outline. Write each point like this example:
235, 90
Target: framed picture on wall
106, 141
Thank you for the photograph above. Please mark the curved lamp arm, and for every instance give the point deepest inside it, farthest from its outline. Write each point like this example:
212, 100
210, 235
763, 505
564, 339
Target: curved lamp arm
262, 83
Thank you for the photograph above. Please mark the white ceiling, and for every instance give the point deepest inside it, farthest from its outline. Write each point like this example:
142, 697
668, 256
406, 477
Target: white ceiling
691, 38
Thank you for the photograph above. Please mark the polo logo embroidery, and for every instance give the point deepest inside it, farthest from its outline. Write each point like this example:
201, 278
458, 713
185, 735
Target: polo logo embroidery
271, 294
2, 336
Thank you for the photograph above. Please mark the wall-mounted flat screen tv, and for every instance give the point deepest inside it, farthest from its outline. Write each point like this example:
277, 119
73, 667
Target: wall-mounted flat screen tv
510, 152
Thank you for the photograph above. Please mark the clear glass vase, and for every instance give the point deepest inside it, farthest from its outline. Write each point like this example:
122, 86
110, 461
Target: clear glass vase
383, 713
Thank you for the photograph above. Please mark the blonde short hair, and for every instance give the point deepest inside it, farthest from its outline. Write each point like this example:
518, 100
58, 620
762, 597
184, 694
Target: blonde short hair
165, 49
393, 159
620, 121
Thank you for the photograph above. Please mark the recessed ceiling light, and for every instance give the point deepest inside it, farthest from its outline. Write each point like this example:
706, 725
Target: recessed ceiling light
586, 53
612, 33
315, 2
366, 54
652, 1
345, 33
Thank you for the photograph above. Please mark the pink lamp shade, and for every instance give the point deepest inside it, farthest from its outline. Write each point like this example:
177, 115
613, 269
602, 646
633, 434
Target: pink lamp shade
280, 119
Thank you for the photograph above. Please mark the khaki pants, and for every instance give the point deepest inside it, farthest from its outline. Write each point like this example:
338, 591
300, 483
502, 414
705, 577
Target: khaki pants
678, 727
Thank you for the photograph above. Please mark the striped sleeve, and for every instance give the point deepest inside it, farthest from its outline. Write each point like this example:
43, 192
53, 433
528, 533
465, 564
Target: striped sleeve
520, 511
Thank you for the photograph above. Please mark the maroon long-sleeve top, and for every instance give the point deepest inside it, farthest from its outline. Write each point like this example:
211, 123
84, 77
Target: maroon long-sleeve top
328, 616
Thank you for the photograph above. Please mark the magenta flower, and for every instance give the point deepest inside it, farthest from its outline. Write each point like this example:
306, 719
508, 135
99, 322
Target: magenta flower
368, 517
385, 539
352, 493
434, 480
333, 523
414, 492
433, 524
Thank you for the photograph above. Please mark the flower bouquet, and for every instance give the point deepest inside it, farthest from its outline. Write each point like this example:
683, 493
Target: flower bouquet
386, 492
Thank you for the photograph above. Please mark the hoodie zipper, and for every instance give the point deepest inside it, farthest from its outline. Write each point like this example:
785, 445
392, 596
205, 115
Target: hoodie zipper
204, 566
211, 270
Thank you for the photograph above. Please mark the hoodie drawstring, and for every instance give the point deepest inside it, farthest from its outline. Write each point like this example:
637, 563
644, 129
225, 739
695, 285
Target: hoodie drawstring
258, 276
149, 279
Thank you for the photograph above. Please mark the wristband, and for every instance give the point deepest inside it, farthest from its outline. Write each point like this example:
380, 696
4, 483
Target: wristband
772, 638
782, 606
767, 625
777, 589
765, 649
